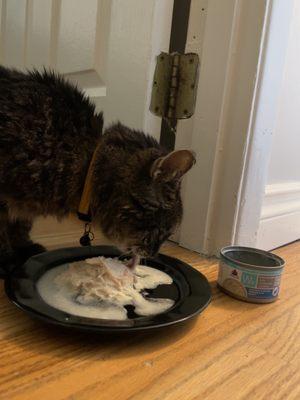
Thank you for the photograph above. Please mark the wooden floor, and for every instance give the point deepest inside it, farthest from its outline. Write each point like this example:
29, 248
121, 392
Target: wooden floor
234, 350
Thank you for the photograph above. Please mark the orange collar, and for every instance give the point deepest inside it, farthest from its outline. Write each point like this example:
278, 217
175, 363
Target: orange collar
84, 212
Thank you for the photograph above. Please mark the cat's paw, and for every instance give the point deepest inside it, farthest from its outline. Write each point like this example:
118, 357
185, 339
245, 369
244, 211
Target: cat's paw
25, 252
7, 263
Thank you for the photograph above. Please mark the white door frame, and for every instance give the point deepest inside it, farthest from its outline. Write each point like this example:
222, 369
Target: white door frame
231, 132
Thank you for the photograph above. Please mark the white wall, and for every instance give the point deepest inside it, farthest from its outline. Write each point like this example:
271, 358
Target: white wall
280, 214
285, 155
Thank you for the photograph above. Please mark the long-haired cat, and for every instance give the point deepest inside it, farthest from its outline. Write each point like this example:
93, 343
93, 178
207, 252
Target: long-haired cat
48, 133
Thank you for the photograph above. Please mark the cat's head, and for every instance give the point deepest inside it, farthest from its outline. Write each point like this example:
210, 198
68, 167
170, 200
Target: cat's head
146, 207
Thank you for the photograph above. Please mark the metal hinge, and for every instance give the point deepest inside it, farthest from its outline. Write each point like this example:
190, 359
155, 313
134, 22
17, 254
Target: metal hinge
175, 85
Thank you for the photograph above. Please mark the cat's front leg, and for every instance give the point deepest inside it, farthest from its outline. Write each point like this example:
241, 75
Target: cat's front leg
7, 258
23, 247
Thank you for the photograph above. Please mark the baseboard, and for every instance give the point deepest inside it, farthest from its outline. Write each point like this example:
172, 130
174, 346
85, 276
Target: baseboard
280, 216
281, 199
275, 232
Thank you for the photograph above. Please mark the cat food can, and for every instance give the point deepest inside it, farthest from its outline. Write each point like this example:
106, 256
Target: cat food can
250, 274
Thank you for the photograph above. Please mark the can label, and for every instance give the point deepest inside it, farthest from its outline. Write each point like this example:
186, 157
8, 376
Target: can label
250, 284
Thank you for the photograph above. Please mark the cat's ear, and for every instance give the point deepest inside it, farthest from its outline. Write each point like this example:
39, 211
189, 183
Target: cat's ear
97, 123
173, 166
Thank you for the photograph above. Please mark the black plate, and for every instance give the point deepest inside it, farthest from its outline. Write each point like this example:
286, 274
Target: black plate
190, 290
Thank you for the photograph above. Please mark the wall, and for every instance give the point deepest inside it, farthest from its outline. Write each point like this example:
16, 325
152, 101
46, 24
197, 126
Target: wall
285, 154
280, 215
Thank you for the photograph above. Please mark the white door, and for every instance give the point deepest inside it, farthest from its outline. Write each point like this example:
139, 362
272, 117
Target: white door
107, 47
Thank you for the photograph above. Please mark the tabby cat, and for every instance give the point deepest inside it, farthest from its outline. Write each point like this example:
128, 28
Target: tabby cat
48, 132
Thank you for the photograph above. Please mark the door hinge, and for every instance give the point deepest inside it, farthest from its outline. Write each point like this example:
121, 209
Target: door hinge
174, 86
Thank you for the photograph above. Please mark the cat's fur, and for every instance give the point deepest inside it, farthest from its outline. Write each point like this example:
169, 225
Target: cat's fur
48, 133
